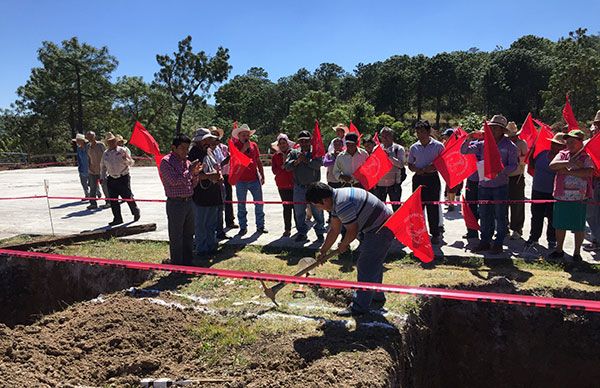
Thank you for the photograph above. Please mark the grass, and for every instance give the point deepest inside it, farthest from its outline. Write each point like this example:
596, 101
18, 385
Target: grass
245, 295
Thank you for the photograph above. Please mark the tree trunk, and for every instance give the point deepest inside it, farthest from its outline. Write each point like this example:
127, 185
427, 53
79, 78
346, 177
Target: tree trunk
180, 118
79, 125
419, 102
437, 111
73, 127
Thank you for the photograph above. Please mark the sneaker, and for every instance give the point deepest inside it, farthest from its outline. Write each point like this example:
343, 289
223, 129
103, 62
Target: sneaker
482, 247
435, 240
115, 222
577, 258
301, 238
92, 207
592, 247
515, 235
349, 312
262, 230
555, 255
287, 233
242, 231
496, 249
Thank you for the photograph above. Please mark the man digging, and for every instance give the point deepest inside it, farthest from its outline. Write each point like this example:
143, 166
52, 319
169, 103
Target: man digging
359, 212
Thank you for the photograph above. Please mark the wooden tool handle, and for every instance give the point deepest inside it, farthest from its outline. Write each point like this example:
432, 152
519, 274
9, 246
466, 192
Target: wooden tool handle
316, 264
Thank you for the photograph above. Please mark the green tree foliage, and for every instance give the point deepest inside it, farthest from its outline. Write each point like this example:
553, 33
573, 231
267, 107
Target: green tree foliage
185, 74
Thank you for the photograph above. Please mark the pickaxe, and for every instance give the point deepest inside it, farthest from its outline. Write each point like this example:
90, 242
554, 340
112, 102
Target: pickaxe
272, 291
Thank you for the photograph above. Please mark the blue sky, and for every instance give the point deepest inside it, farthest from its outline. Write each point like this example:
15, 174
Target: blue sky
280, 36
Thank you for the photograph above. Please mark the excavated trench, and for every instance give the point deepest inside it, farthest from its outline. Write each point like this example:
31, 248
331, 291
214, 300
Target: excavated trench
441, 344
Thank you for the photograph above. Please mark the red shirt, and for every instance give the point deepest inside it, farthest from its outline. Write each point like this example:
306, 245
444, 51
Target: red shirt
283, 178
250, 174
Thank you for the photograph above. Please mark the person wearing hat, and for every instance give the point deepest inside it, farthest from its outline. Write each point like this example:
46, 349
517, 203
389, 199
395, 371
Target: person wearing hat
329, 162
221, 153
516, 184
493, 216
543, 185
593, 211
83, 163
340, 131
369, 144
179, 177
251, 179
572, 187
349, 161
307, 170
121, 143
284, 179
391, 183
208, 197
420, 161
95, 150
115, 166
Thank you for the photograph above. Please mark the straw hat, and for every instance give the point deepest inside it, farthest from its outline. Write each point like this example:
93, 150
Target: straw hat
201, 134
109, 136
559, 138
218, 130
242, 128
341, 126
511, 129
120, 138
275, 144
499, 121
80, 136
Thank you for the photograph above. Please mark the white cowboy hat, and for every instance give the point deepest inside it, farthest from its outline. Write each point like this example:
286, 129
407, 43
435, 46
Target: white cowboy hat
275, 144
341, 126
201, 134
80, 136
242, 128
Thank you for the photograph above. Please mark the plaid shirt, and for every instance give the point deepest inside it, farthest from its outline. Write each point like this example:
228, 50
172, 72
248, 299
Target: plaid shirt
176, 177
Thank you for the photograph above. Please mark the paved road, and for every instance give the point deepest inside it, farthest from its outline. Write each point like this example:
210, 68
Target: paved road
68, 216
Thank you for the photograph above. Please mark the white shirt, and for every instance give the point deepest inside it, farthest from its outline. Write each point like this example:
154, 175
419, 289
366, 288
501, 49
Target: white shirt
346, 164
116, 162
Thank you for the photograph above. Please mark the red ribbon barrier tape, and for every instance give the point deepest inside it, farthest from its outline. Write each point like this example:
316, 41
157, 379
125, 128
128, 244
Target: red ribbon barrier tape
470, 296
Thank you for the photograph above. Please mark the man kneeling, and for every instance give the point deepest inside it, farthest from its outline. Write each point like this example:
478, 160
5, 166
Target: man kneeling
359, 212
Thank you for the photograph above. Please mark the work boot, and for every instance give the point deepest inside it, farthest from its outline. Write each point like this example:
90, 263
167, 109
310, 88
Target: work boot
115, 222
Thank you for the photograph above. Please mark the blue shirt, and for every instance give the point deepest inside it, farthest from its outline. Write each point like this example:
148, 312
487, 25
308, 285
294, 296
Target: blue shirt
509, 154
543, 177
423, 155
352, 204
83, 162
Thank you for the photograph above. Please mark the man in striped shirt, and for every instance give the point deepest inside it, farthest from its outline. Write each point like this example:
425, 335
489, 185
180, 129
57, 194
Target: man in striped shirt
359, 212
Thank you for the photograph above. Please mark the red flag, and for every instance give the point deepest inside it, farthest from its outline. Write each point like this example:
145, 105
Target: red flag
376, 138
352, 128
318, 149
373, 169
454, 166
543, 140
237, 163
569, 116
408, 225
492, 162
142, 139
592, 148
468, 215
528, 132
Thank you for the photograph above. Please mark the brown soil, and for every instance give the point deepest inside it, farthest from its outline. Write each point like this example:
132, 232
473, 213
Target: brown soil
122, 339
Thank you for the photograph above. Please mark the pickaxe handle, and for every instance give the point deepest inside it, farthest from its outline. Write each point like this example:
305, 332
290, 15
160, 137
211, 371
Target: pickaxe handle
272, 291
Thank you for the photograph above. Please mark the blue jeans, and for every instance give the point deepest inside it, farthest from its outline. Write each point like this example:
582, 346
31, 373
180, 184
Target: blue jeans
206, 219
241, 190
493, 216
593, 212
300, 213
373, 250
84, 179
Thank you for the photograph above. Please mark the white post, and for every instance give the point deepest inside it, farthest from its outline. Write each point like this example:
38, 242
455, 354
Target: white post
46, 187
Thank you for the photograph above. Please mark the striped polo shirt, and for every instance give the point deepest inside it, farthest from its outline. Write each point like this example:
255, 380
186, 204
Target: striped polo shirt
352, 204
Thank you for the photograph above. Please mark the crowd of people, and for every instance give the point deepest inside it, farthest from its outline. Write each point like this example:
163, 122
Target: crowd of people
196, 174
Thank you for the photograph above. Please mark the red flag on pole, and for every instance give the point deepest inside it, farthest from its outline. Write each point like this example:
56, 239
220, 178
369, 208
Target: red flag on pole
142, 139
352, 128
373, 169
543, 140
492, 162
237, 163
528, 132
592, 148
468, 215
454, 166
408, 225
569, 116
318, 149
376, 138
